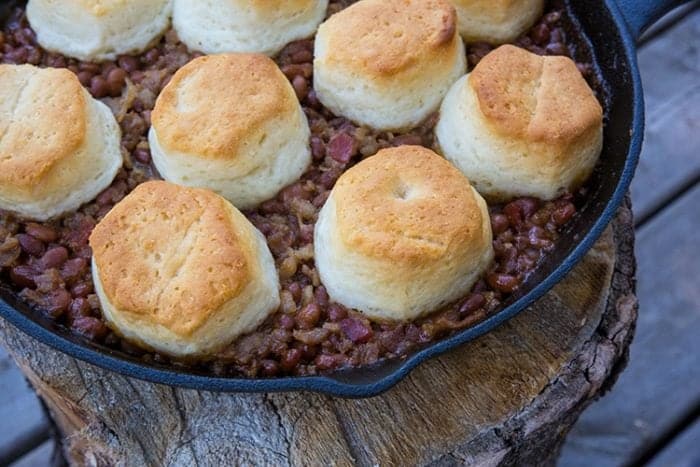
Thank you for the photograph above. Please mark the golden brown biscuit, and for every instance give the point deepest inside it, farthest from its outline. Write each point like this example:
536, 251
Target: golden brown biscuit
231, 123
496, 21
181, 271
251, 26
98, 29
388, 64
522, 125
59, 147
402, 234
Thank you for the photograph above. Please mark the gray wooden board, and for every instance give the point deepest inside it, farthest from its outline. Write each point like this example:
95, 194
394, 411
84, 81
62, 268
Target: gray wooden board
670, 67
684, 451
662, 380
20, 413
39, 457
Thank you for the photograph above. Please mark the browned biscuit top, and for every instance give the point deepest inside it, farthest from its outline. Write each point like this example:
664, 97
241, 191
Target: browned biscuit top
43, 120
535, 98
406, 204
171, 255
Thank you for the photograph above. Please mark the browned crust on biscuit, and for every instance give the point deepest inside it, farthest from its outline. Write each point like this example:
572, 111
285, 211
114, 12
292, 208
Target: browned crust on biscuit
497, 10
407, 205
535, 98
171, 256
43, 121
216, 104
382, 38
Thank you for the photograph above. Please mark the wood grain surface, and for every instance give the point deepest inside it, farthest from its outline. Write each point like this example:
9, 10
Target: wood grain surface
504, 399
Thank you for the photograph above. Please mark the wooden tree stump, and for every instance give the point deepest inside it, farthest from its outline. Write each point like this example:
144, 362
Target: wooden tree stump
508, 398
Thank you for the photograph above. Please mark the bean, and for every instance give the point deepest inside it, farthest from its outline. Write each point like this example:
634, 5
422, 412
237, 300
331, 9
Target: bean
54, 257
31, 245
499, 223
57, 302
99, 87
336, 312
301, 87
505, 283
291, 359
78, 307
142, 155
471, 304
91, 328
128, 63
23, 276
93, 68
73, 269
269, 368
41, 232
115, 81
82, 289
563, 214
17, 55
540, 34
308, 316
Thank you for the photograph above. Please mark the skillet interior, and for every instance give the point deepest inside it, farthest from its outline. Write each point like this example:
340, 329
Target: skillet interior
614, 54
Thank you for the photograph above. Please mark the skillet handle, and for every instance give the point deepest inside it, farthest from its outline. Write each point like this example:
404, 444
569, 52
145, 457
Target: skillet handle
640, 14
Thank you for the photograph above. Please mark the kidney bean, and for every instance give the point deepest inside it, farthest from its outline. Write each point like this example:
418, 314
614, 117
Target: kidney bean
286, 322
142, 155
54, 257
336, 312
291, 359
57, 302
471, 304
128, 63
295, 289
23, 276
563, 214
41, 232
308, 316
151, 57
326, 362
116, 81
92, 328
505, 283
302, 56
356, 330
73, 269
318, 148
540, 34
99, 87
82, 289
17, 55
556, 48
301, 87
499, 223
77, 308
31, 245
269, 368
33, 55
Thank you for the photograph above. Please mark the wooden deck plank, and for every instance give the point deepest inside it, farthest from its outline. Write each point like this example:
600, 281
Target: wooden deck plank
21, 416
670, 67
662, 380
39, 457
683, 452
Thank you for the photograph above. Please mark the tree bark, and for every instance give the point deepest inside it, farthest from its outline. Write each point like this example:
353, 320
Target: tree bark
508, 398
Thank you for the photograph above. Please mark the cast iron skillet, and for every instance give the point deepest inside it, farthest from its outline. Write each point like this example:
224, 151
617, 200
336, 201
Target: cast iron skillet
611, 27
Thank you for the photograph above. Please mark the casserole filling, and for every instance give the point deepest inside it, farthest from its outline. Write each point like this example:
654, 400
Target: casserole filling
48, 264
